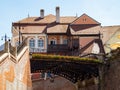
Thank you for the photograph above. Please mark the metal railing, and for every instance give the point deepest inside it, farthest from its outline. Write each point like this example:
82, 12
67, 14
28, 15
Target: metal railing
37, 50
58, 48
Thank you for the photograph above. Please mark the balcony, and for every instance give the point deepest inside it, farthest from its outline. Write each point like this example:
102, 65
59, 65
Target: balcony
58, 48
37, 50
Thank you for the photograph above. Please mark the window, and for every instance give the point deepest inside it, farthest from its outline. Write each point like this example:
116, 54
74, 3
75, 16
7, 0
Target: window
52, 42
65, 41
32, 43
84, 19
40, 43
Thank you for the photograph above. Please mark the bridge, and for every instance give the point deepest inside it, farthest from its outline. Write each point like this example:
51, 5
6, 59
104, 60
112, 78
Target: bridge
72, 68
15, 68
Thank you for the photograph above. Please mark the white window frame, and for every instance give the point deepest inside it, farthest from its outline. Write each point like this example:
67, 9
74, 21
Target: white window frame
41, 43
32, 43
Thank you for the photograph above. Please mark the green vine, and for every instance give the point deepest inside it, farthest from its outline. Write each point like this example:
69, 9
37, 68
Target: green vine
66, 58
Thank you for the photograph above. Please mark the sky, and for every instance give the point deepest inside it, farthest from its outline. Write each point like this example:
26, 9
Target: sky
107, 12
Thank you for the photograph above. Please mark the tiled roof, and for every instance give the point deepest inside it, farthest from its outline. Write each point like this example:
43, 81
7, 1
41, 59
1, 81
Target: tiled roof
88, 45
67, 19
47, 19
92, 30
115, 37
57, 29
33, 29
108, 32
50, 23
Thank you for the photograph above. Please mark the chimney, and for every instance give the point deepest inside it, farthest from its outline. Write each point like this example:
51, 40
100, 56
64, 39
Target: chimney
57, 14
42, 13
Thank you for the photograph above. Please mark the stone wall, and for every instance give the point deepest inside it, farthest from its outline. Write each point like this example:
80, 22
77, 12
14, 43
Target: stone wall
112, 76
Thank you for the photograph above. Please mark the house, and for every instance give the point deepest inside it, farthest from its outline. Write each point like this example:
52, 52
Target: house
55, 34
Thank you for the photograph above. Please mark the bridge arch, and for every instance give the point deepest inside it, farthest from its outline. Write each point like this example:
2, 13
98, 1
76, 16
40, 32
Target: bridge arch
73, 71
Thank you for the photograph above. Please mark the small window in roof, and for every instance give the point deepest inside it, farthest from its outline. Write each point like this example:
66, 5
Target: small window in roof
84, 19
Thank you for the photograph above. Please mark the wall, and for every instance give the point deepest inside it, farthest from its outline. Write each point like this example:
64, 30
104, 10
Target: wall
58, 84
59, 38
15, 71
112, 76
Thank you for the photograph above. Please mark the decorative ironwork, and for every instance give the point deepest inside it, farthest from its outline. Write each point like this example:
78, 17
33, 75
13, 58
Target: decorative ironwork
72, 71
57, 48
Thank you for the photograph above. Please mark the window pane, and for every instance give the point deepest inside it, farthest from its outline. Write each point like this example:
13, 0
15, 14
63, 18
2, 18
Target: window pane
65, 41
52, 42
40, 43
32, 43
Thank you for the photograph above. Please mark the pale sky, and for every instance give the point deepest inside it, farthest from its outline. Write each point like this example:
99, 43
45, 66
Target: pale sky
107, 12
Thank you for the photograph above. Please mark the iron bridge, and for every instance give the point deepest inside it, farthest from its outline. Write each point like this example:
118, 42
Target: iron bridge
71, 70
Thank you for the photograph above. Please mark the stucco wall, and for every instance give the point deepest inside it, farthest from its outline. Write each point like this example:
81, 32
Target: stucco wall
15, 72
58, 38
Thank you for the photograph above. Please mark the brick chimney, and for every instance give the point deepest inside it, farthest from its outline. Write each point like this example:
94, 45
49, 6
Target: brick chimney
57, 14
42, 13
